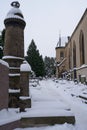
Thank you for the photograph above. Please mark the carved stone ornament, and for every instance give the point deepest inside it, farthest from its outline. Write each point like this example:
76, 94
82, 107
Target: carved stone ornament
15, 4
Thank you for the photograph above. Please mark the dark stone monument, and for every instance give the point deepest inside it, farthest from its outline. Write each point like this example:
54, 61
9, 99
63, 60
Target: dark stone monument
14, 50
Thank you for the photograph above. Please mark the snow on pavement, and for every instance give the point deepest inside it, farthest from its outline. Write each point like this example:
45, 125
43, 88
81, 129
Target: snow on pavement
47, 102
70, 92
62, 95
56, 97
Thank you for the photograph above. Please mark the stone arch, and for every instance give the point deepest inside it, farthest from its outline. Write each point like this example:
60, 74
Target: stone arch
81, 48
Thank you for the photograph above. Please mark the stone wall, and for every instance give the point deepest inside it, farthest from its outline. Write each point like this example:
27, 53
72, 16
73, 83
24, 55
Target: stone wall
4, 84
82, 73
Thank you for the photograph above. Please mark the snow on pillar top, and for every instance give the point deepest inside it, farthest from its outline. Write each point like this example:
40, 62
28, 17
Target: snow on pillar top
15, 12
25, 67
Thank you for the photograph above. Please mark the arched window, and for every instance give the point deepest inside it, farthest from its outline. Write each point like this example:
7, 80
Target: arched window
69, 59
74, 54
61, 55
70, 55
81, 48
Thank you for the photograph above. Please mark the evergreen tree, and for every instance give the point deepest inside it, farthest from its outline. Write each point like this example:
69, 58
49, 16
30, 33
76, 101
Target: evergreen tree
1, 52
49, 66
2, 37
35, 59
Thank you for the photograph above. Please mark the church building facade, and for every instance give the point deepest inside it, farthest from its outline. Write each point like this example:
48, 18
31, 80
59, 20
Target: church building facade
71, 61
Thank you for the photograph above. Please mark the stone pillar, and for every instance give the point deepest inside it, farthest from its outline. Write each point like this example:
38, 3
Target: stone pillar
25, 100
14, 50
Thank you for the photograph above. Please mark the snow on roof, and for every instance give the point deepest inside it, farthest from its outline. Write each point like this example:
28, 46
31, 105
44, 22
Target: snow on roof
25, 67
13, 13
4, 63
81, 67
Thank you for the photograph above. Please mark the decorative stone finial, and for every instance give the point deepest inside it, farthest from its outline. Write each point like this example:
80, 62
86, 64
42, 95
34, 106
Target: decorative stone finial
15, 4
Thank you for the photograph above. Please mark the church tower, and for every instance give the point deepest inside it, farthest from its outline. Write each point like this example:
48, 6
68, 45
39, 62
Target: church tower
14, 50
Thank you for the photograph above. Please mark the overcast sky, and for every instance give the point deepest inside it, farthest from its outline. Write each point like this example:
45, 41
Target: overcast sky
45, 19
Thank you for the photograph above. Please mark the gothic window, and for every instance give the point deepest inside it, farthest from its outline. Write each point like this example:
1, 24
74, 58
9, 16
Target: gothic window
74, 54
70, 55
69, 59
61, 55
81, 48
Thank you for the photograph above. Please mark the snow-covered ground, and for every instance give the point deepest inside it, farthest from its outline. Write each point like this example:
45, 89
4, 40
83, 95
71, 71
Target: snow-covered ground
56, 97
55, 127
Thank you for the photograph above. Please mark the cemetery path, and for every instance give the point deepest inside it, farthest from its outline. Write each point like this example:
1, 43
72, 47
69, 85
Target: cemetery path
56, 97
52, 99
47, 101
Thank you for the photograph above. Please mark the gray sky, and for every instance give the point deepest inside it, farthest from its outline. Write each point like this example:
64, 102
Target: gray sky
44, 19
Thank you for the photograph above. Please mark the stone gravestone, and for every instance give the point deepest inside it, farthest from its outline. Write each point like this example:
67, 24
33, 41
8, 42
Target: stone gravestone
4, 84
25, 100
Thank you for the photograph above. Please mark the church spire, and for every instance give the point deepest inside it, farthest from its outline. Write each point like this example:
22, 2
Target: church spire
59, 38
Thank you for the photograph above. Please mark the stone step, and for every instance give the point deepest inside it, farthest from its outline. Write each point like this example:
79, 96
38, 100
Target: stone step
42, 121
10, 125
